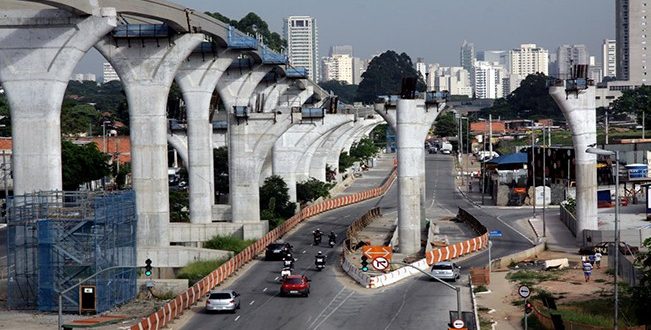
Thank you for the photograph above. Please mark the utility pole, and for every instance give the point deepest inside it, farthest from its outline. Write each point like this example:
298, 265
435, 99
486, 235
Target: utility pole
533, 169
544, 146
607, 125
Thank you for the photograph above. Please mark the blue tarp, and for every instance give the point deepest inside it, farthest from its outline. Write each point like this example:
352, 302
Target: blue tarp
514, 158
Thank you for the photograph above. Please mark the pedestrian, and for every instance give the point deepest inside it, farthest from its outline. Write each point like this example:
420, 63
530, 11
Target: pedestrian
592, 259
597, 259
587, 270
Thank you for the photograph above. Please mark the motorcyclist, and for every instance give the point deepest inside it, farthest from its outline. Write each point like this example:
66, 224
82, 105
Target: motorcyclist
319, 259
317, 236
288, 261
332, 236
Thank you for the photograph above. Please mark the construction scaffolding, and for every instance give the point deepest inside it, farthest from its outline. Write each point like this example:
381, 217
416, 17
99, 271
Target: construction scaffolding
55, 239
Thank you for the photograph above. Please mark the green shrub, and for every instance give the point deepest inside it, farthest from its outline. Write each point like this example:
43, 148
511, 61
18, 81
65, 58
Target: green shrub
481, 288
228, 243
197, 270
312, 189
530, 277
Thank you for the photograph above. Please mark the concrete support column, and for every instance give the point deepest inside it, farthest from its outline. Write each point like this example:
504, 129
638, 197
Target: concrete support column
295, 144
147, 73
250, 142
580, 112
413, 123
38, 52
237, 85
197, 77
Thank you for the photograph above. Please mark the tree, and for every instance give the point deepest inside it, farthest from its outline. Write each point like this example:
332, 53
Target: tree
364, 149
345, 161
342, 89
77, 118
634, 101
445, 125
384, 76
179, 206
6, 113
641, 294
312, 189
81, 164
220, 157
252, 23
274, 198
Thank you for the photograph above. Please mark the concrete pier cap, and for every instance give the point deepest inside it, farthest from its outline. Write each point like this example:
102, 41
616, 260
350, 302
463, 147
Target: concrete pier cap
578, 107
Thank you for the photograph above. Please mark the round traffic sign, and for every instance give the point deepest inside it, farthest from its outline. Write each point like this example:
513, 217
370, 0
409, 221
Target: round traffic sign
380, 263
458, 324
524, 291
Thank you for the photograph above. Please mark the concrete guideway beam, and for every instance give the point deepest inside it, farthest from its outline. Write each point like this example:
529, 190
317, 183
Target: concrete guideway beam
413, 122
147, 74
580, 112
264, 91
197, 78
295, 144
320, 160
39, 49
237, 85
250, 142
338, 147
273, 97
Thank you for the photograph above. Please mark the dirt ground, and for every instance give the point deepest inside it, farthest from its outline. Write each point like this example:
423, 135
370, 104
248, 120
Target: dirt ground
498, 304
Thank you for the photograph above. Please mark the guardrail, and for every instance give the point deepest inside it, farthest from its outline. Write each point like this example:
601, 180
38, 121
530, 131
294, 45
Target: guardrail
568, 219
436, 255
176, 306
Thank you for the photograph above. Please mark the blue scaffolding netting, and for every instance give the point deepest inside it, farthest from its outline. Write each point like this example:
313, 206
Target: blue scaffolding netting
56, 239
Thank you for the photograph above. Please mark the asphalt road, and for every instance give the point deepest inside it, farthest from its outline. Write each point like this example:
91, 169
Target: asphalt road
335, 302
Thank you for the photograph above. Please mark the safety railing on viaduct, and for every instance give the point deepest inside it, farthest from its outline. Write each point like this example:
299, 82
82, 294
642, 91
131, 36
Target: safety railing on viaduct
180, 303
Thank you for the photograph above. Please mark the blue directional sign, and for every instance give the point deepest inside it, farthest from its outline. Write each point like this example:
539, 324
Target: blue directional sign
495, 233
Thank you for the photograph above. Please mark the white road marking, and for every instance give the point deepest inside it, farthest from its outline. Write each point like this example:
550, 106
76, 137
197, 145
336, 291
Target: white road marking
404, 299
515, 230
264, 290
251, 303
304, 251
334, 310
324, 309
237, 318
276, 279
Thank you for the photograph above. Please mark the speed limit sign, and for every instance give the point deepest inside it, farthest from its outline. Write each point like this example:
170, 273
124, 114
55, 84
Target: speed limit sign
458, 324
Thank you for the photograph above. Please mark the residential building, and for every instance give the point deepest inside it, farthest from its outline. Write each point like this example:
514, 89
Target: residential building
568, 55
80, 77
632, 36
526, 60
595, 72
359, 67
109, 73
467, 58
455, 80
301, 33
609, 58
492, 56
338, 67
489, 80
421, 67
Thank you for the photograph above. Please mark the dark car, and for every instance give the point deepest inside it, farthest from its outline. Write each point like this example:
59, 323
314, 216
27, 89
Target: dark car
295, 285
603, 249
277, 251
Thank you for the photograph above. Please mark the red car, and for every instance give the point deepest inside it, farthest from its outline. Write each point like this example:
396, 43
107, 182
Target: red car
295, 285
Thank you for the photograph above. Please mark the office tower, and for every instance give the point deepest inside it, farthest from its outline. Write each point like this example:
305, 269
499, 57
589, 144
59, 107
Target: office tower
301, 34
109, 73
526, 60
467, 58
338, 67
568, 55
609, 58
631, 35
359, 67
489, 80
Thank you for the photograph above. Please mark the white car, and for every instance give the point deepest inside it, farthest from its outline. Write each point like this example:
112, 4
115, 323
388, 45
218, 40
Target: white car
446, 271
226, 300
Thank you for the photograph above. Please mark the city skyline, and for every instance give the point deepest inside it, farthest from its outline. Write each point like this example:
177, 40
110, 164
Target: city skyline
488, 24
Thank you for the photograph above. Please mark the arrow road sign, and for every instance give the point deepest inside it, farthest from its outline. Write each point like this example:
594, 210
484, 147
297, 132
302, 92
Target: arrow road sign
524, 291
380, 263
373, 252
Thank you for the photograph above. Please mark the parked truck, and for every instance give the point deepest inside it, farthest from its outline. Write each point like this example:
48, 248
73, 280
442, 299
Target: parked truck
446, 147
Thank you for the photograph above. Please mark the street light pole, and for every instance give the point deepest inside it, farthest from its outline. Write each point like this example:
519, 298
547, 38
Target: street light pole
544, 175
610, 153
533, 169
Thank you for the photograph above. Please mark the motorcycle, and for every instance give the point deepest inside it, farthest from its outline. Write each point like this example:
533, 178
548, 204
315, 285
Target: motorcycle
286, 271
319, 263
288, 263
317, 239
332, 242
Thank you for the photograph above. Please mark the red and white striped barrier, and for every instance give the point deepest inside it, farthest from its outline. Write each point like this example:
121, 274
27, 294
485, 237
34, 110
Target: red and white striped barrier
170, 311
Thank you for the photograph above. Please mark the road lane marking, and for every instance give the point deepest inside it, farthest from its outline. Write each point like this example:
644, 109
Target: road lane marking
237, 318
395, 316
325, 308
334, 310
304, 252
264, 290
276, 279
251, 303
499, 218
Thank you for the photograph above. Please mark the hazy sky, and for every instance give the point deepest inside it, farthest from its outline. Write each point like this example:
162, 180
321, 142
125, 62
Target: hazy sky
432, 29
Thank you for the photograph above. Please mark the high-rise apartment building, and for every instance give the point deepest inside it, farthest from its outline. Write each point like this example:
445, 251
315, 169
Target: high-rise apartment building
467, 58
455, 80
567, 56
421, 67
489, 80
609, 58
338, 67
526, 60
359, 67
109, 73
301, 34
632, 40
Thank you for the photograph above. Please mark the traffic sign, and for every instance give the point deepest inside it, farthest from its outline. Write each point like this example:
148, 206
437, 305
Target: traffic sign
524, 291
495, 233
373, 252
380, 263
458, 324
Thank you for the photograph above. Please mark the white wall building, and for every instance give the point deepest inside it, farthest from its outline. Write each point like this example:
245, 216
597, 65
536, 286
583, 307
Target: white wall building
359, 67
109, 73
569, 55
489, 80
455, 80
609, 58
301, 34
526, 60
338, 67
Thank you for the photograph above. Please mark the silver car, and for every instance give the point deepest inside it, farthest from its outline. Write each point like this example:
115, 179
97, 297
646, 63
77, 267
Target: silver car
225, 300
446, 271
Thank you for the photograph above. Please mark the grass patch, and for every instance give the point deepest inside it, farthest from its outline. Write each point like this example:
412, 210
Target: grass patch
197, 270
228, 243
531, 277
481, 288
484, 323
